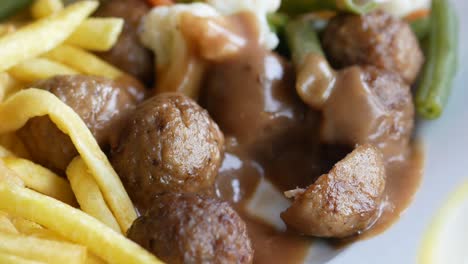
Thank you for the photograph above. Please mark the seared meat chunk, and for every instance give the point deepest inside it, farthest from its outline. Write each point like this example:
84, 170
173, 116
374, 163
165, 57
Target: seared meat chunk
252, 98
101, 103
189, 228
343, 202
375, 39
369, 105
128, 53
170, 144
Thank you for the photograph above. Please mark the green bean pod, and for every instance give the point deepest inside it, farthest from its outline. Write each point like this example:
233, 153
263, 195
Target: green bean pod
421, 27
10, 7
441, 61
305, 6
302, 40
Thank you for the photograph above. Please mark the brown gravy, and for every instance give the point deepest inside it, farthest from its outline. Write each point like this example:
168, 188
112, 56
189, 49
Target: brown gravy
239, 177
297, 163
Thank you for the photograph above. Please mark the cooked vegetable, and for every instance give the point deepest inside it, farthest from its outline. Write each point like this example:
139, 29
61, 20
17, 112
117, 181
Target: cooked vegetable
421, 27
42, 35
72, 224
305, 6
88, 194
44, 8
97, 34
39, 68
302, 40
441, 65
10, 7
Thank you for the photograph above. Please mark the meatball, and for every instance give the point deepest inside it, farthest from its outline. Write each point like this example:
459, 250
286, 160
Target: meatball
101, 103
253, 100
190, 228
169, 144
377, 39
369, 105
343, 202
128, 53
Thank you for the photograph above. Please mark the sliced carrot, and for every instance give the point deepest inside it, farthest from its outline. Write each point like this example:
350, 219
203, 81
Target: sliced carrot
418, 14
160, 2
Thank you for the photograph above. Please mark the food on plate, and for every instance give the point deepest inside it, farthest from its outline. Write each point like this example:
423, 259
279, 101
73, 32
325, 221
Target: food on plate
215, 131
128, 54
377, 39
191, 228
169, 144
343, 202
101, 103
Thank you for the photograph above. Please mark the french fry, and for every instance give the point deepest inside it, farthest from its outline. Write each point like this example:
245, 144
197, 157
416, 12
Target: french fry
97, 34
7, 28
44, 8
43, 35
11, 259
6, 225
38, 69
41, 249
30, 228
14, 144
8, 85
88, 194
9, 177
93, 259
29, 103
41, 179
83, 61
73, 224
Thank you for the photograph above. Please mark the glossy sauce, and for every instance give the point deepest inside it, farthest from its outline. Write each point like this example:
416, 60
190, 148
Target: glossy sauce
283, 148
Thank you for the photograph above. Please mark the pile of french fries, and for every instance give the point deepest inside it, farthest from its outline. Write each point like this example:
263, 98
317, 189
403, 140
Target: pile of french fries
45, 218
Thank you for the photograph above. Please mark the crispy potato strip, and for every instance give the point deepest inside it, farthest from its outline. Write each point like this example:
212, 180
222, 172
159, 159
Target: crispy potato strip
43, 35
88, 194
8, 176
73, 224
38, 69
83, 61
4, 152
11, 259
41, 249
16, 111
8, 85
6, 226
97, 34
44, 8
41, 179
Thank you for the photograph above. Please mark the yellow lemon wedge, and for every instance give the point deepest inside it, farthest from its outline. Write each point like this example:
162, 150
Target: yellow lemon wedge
446, 240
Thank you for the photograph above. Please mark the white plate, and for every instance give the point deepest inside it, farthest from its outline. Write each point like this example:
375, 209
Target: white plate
446, 144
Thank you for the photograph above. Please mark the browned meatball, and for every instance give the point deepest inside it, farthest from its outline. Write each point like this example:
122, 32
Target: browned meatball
343, 202
169, 144
189, 228
128, 53
369, 105
252, 98
101, 103
377, 39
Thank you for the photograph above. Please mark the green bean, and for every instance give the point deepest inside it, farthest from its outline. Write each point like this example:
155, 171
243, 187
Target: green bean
421, 27
10, 7
302, 39
441, 65
305, 6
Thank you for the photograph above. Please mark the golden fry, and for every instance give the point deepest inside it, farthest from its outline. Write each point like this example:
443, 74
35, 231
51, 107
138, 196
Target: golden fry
97, 34
11, 259
41, 249
43, 35
41, 179
8, 85
88, 194
4, 152
83, 61
9, 177
29, 103
6, 226
38, 69
44, 8
73, 224
7, 28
